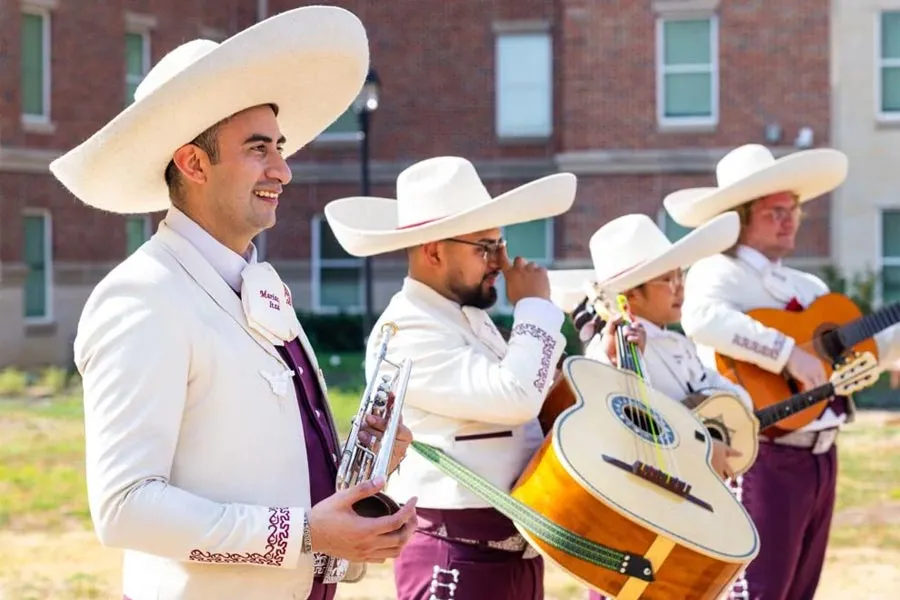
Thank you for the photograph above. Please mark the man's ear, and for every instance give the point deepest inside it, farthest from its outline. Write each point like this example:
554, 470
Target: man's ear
432, 253
191, 161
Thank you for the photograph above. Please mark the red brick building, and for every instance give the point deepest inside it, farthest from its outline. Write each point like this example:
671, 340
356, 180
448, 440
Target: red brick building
637, 98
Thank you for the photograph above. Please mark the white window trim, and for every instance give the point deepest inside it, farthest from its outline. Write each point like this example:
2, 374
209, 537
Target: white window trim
661, 71
514, 29
315, 273
882, 261
880, 63
44, 12
144, 32
502, 306
48, 270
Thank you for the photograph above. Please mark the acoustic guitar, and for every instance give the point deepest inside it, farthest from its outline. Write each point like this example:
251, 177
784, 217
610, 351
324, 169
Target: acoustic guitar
729, 420
832, 326
626, 466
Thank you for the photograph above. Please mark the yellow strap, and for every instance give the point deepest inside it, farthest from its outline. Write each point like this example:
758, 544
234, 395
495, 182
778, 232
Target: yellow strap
657, 554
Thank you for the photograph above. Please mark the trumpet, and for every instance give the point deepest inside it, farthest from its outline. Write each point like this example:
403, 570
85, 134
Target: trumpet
383, 397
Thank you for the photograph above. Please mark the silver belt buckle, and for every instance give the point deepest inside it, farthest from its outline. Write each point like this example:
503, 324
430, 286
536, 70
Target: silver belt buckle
331, 569
824, 441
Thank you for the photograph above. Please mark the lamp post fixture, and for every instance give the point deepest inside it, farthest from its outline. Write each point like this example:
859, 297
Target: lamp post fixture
365, 104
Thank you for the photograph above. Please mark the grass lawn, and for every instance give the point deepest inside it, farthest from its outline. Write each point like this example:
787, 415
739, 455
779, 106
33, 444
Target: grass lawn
48, 551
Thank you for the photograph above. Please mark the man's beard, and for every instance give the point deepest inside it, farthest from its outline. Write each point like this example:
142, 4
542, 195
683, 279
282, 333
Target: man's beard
476, 295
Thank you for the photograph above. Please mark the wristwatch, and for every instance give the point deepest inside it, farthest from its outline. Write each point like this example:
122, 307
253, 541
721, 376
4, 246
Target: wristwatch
306, 541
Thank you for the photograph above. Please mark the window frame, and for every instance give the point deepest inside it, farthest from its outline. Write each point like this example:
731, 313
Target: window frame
48, 315
546, 35
880, 64
883, 261
46, 65
146, 58
662, 70
317, 263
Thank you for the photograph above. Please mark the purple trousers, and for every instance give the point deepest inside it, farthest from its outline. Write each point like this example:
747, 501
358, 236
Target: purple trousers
432, 568
789, 493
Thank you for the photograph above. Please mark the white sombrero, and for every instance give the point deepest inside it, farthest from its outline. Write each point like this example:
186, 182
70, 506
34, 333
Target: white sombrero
632, 250
310, 62
750, 172
440, 198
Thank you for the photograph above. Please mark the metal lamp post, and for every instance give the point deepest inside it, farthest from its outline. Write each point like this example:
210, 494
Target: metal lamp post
365, 104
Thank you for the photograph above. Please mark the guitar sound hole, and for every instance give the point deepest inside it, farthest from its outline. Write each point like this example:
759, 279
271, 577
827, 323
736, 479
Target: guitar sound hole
642, 420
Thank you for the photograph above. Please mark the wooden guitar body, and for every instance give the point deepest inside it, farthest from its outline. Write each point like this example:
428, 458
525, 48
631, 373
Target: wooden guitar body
599, 473
807, 327
729, 420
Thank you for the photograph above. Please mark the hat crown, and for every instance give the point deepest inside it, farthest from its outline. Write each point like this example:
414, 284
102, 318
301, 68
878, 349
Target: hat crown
173, 63
742, 162
436, 188
624, 243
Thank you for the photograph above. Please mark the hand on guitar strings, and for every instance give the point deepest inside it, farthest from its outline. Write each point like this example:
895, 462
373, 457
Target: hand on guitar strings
806, 368
721, 452
634, 333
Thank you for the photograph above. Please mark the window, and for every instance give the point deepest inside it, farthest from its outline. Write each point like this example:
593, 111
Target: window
36, 254
337, 277
687, 71
889, 64
890, 256
345, 128
137, 62
532, 241
137, 231
35, 64
673, 230
524, 84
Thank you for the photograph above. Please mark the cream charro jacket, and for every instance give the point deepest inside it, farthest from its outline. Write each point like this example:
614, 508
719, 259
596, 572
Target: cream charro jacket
720, 289
196, 463
470, 393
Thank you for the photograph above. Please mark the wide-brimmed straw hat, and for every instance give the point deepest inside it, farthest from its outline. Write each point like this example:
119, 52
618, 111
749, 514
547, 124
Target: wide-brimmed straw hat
310, 62
750, 172
632, 250
439, 198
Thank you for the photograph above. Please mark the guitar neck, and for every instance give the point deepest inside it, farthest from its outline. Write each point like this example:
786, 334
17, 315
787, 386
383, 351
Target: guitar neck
867, 326
772, 414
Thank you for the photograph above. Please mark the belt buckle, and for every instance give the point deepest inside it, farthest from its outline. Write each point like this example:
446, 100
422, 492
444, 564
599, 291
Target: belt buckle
331, 569
824, 440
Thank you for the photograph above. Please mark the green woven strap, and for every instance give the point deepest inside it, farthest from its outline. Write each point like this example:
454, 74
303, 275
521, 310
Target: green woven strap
537, 524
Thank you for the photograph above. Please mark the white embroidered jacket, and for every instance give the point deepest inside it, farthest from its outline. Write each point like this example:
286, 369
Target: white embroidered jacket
196, 466
470, 393
673, 366
720, 289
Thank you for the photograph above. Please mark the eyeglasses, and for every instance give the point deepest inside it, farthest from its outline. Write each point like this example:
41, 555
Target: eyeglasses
491, 248
780, 214
674, 280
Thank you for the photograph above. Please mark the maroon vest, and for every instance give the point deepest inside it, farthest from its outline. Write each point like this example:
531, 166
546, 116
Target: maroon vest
321, 446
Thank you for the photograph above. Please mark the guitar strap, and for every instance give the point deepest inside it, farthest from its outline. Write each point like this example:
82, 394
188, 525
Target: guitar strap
535, 523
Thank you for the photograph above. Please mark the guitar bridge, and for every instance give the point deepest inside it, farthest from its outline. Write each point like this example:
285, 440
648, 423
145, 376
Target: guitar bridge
659, 478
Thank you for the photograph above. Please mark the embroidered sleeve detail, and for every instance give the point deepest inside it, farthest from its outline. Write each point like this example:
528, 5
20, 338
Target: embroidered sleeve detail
548, 344
772, 351
276, 545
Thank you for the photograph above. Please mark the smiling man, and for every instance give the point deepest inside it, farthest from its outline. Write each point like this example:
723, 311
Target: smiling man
470, 392
210, 448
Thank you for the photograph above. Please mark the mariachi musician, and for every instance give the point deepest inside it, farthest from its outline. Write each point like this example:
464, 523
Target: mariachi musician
790, 489
470, 393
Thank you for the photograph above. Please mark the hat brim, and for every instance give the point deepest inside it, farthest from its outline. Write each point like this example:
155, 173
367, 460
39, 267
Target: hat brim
711, 238
568, 287
365, 226
808, 173
310, 62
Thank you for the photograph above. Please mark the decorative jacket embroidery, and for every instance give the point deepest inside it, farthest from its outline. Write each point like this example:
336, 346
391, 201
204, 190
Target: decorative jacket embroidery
546, 351
276, 544
753, 346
